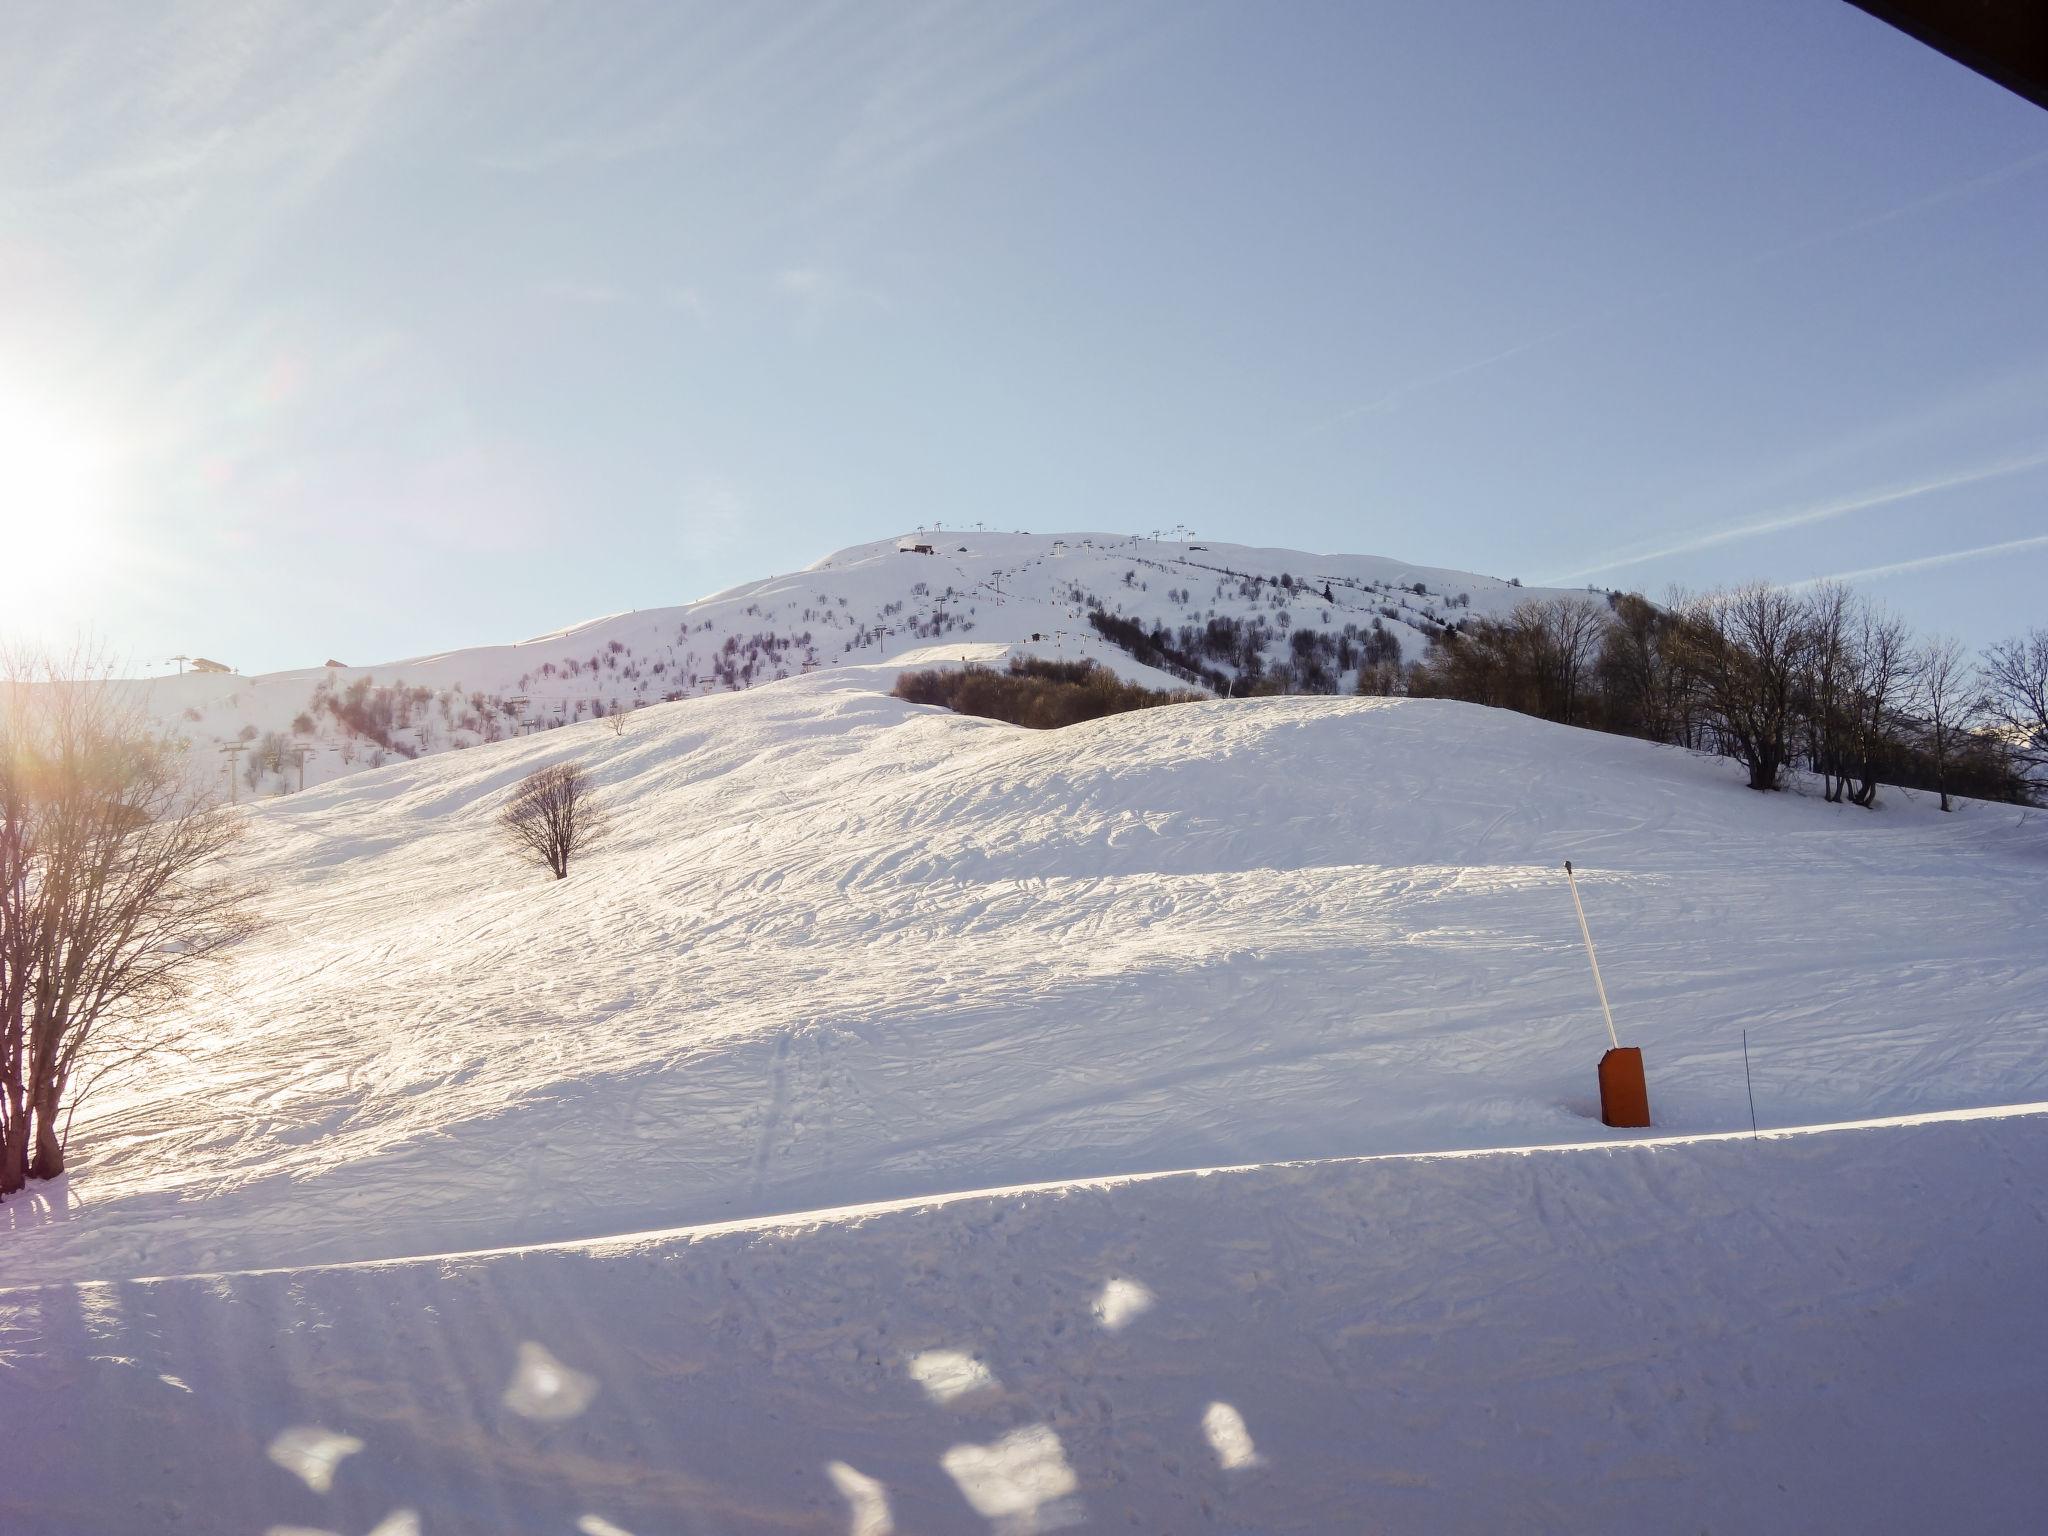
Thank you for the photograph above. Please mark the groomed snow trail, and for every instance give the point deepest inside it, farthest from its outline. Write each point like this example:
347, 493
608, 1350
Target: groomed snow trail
843, 949
1839, 1331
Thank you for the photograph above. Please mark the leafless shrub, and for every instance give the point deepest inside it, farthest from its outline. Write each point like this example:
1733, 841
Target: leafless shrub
1043, 695
553, 814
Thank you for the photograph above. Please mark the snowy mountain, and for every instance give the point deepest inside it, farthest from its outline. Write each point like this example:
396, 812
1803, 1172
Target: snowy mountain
844, 1086
1237, 609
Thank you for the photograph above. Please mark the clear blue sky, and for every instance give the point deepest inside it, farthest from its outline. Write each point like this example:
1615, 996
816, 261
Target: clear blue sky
368, 331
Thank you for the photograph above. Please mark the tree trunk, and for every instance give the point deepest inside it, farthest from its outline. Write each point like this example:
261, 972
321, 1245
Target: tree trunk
13, 1161
14, 1147
49, 1154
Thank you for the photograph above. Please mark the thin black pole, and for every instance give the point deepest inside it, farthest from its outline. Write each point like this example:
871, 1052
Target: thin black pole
1748, 1085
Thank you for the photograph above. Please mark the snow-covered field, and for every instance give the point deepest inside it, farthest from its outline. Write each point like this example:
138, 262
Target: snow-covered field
843, 950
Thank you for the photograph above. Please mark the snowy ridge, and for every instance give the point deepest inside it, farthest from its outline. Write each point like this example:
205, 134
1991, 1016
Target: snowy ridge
861, 605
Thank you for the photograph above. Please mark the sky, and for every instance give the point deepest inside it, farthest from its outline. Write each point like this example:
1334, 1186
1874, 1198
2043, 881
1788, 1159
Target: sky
367, 331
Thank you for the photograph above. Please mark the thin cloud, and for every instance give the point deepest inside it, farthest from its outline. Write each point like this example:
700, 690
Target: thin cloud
1802, 517
575, 294
255, 109
1424, 382
1429, 381
689, 301
957, 76
596, 147
820, 290
586, 295
1926, 562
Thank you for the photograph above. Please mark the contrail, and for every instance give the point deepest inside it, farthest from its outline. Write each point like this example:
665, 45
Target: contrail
1823, 512
1925, 562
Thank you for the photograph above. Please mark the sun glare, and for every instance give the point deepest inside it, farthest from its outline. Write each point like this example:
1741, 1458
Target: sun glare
56, 484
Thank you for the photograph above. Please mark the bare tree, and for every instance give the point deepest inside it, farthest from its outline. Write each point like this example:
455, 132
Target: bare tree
1831, 616
1883, 659
2016, 694
1539, 660
1565, 634
552, 815
1945, 688
1745, 651
1633, 677
109, 895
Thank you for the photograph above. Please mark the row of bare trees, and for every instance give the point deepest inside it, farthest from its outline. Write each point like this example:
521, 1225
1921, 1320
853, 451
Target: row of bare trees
1773, 677
110, 892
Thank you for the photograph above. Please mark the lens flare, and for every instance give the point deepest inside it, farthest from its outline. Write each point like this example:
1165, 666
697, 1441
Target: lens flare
56, 494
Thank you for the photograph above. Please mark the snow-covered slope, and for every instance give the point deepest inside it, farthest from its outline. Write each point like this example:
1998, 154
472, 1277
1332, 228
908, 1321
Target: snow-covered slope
860, 605
843, 950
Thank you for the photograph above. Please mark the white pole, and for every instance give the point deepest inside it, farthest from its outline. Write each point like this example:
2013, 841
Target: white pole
1587, 934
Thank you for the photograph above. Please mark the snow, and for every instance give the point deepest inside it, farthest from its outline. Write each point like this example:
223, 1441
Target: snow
818, 1155
982, 594
1839, 1331
844, 948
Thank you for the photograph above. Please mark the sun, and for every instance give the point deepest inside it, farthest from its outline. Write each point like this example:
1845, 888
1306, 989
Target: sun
56, 493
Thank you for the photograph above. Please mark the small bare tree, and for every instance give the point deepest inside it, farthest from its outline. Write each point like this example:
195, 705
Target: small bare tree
109, 895
552, 815
1882, 676
1946, 689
